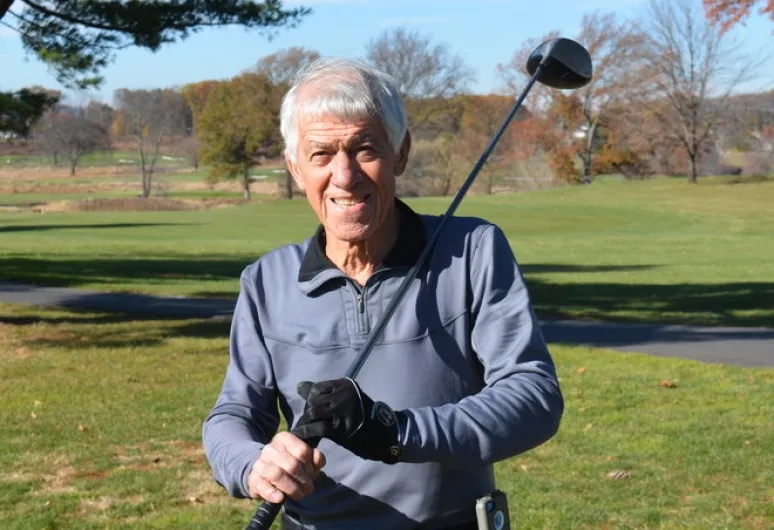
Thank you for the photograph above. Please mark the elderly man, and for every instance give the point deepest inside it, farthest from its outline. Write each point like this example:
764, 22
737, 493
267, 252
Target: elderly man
460, 378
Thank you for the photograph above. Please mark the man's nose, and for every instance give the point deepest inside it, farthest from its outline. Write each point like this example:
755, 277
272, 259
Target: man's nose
346, 172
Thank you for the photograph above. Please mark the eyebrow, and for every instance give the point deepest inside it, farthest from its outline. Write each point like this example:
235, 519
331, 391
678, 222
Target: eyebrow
358, 139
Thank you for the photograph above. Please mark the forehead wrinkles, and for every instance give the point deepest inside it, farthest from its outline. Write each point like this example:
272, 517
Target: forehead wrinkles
332, 132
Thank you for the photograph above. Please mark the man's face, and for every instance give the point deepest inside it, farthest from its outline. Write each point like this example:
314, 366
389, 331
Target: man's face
347, 170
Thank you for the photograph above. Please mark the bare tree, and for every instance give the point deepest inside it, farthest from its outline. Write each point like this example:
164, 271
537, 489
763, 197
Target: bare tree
99, 113
617, 49
282, 66
424, 72
71, 135
151, 117
695, 70
618, 52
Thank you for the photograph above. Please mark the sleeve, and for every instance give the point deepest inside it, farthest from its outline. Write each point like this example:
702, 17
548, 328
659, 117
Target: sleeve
245, 415
521, 405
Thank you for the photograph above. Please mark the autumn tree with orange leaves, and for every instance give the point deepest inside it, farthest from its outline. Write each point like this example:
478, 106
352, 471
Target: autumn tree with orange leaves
573, 120
728, 13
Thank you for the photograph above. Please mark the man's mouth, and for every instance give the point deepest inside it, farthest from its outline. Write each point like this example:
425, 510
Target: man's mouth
348, 202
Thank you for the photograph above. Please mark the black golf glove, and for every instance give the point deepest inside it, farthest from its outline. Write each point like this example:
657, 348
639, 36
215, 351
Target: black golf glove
340, 411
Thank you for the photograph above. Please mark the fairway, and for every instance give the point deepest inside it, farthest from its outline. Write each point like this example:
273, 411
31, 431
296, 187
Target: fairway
652, 251
101, 417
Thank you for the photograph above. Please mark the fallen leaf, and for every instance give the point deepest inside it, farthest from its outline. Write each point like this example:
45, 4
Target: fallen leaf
668, 384
195, 500
81, 427
156, 460
587, 427
616, 475
581, 370
33, 415
523, 467
37, 403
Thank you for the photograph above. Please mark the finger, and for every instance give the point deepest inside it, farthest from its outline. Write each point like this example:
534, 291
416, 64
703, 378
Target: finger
318, 461
298, 448
284, 482
261, 488
287, 464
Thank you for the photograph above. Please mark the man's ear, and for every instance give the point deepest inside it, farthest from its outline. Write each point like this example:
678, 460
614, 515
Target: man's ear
293, 168
403, 155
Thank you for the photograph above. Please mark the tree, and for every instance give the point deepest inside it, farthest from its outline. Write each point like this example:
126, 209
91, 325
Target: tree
239, 125
617, 50
99, 113
20, 110
78, 38
71, 135
151, 117
482, 117
695, 69
196, 96
427, 75
729, 13
280, 68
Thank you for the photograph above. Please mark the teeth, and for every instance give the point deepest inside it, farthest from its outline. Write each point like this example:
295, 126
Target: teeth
347, 202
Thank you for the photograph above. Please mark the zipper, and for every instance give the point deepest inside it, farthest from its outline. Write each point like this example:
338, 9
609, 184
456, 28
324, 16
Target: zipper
361, 317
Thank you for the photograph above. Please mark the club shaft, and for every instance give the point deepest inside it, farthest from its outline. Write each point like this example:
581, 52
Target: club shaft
268, 511
365, 351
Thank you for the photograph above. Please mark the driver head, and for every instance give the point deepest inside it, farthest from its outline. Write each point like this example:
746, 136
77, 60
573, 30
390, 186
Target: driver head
567, 64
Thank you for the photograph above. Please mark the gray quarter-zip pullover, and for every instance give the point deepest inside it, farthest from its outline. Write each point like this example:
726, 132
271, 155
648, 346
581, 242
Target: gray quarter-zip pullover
463, 356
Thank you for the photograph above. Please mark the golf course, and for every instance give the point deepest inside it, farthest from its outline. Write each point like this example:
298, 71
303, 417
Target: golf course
101, 412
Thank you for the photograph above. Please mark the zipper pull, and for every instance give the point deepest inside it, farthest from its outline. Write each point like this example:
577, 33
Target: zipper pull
360, 304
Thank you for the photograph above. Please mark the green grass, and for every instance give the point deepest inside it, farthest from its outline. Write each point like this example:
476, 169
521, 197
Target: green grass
653, 251
101, 418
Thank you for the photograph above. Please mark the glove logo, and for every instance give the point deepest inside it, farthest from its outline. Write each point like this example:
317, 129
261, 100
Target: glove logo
384, 414
499, 520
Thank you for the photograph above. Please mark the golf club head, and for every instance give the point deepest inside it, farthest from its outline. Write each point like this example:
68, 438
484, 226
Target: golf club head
567, 64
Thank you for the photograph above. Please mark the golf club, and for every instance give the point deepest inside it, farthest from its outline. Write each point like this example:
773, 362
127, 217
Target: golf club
557, 63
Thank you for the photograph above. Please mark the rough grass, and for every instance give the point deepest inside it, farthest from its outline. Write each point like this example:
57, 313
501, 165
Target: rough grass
101, 415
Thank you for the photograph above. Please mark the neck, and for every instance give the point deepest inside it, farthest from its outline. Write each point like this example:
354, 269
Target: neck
359, 259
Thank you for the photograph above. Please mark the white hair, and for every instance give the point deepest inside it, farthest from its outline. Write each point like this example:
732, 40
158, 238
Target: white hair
347, 89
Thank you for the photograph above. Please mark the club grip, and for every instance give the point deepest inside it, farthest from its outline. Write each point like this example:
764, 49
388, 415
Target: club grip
264, 516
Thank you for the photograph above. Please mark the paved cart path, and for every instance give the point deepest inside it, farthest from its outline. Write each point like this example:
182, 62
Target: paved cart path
752, 347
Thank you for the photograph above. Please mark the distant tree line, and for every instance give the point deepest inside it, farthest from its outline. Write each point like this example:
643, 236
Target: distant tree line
661, 102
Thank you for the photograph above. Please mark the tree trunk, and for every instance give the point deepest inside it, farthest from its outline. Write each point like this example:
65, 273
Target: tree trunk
587, 155
694, 176
146, 183
288, 185
246, 185
73, 163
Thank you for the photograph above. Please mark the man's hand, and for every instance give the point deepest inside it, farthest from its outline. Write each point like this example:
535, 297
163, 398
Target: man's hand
340, 411
286, 467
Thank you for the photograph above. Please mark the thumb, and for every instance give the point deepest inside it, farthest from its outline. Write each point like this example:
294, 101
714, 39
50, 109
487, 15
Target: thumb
303, 389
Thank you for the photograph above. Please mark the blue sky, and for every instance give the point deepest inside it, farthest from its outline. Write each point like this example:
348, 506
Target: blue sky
483, 32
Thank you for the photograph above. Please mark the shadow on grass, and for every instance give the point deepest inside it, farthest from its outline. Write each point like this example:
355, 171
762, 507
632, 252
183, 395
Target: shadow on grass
38, 228
729, 304
77, 272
